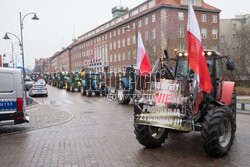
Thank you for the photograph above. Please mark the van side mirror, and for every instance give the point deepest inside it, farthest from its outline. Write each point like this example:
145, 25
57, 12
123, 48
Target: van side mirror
230, 64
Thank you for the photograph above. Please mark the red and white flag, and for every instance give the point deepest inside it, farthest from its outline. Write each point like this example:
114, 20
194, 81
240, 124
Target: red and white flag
196, 58
142, 58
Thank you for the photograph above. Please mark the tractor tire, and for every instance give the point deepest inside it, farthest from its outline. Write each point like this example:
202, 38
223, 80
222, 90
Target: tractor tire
57, 84
122, 97
233, 106
83, 92
97, 93
72, 88
104, 91
218, 131
89, 93
61, 85
67, 88
149, 136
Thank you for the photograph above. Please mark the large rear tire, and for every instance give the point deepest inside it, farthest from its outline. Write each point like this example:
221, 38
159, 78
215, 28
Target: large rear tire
89, 93
233, 106
67, 87
83, 92
121, 96
72, 88
218, 131
104, 90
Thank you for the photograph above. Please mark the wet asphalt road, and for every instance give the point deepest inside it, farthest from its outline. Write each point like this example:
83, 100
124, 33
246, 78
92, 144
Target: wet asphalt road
101, 134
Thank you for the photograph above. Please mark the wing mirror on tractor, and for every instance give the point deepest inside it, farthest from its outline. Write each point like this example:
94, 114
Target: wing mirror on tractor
230, 64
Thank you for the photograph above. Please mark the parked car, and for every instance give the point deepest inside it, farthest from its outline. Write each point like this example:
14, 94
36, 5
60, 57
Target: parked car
28, 83
12, 101
41, 82
38, 90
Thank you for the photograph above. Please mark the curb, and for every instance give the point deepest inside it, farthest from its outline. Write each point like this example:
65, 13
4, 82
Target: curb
243, 112
48, 126
33, 106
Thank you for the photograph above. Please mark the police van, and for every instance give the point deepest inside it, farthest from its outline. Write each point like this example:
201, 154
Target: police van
12, 99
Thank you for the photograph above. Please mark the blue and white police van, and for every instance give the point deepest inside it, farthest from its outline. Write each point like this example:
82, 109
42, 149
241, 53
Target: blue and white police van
12, 99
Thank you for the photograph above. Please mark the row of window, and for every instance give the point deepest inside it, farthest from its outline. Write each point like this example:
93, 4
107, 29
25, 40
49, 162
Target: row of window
182, 47
203, 17
181, 33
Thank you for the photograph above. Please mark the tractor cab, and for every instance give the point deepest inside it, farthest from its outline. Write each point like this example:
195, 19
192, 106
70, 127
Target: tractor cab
215, 68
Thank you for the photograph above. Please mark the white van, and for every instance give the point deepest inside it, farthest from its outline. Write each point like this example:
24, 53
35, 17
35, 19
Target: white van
12, 101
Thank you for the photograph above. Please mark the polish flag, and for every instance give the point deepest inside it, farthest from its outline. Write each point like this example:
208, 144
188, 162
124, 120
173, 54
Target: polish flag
196, 58
142, 59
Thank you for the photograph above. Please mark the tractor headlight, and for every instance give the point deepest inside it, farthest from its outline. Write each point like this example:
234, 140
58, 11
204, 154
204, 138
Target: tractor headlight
180, 54
209, 53
186, 54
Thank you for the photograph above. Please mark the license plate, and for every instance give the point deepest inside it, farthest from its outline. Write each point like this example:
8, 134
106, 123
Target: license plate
6, 105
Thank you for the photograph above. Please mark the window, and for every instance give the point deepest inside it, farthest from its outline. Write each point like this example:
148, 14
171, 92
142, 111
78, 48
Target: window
181, 32
214, 19
153, 18
204, 18
146, 21
119, 57
204, 47
128, 41
123, 56
180, 15
106, 37
133, 26
110, 46
129, 56
134, 39
146, 35
114, 34
123, 42
123, 30
118, 32
214, 47
203, 33
110, 58
181, 47
114, 45
154, 50
214, 33
114, 57
119, 44
139, 23
134, 54
110, 35
153, 33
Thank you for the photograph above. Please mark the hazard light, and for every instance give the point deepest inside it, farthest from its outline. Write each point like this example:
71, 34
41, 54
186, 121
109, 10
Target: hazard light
19, 106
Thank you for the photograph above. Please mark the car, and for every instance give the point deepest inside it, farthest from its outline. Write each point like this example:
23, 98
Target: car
12, 97
28, 83
38, 90
41, 81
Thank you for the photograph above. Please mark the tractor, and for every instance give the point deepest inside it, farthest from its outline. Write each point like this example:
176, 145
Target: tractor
72, 81
125, 87
49, 78
91, 82
60, 79
178, 105
53, 79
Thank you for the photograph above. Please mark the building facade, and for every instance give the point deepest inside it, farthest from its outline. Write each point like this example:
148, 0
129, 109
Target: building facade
162, 25
1, 63
41, 65
235, 42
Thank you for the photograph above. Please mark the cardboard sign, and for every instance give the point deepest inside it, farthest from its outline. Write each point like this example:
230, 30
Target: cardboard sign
170, 106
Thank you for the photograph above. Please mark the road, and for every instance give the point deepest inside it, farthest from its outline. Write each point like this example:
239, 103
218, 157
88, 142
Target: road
101, 134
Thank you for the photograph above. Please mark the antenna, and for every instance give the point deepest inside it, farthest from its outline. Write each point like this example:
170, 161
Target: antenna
74, 34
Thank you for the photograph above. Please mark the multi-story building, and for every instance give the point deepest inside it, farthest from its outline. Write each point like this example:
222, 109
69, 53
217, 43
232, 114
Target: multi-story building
41, 65
162, 25
53, 63
235, 42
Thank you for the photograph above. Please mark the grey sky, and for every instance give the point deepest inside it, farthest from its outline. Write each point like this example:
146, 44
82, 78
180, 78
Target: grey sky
61, 20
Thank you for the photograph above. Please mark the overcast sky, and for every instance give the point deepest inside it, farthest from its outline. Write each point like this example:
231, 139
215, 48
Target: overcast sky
61, 20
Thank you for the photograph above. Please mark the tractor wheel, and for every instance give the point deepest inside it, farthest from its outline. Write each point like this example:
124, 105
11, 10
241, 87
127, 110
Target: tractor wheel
122, 97
89, 93
149, 136
83, 92
218, 131
97, 93
104, 91
67, 87
72, 88
233, 106
61, 85
57, 84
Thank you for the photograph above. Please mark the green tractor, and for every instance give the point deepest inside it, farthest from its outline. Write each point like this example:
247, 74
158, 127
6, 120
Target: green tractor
60, 79
53, 80
73, 81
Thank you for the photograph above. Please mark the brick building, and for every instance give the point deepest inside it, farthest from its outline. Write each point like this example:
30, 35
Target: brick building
41, 65
162, 24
